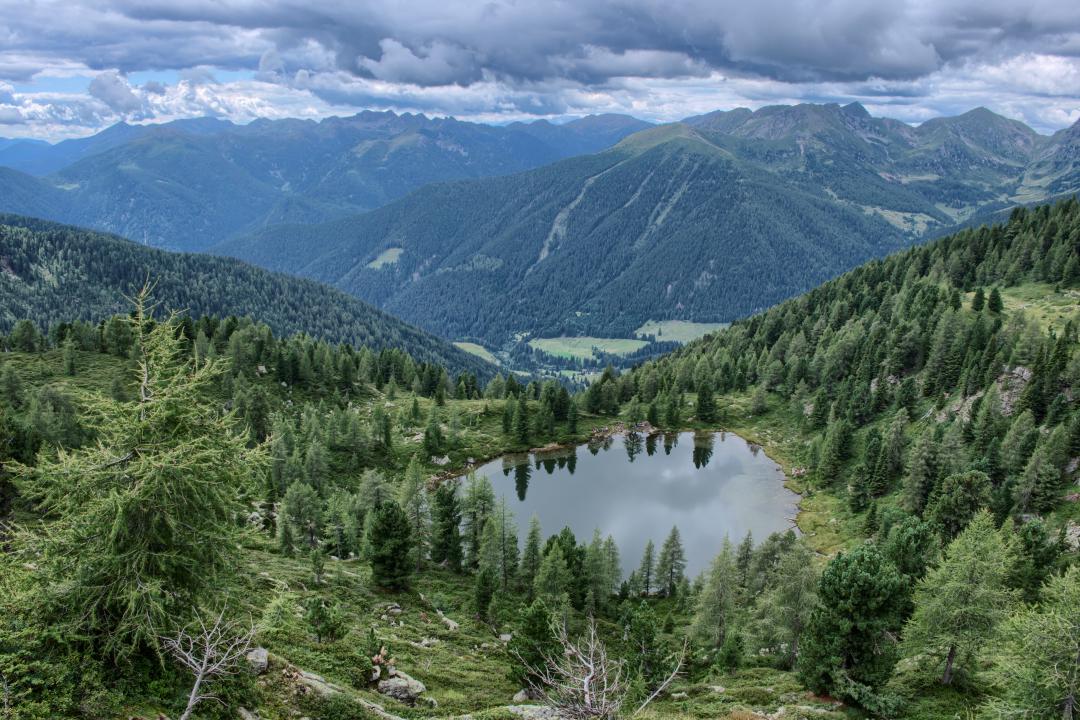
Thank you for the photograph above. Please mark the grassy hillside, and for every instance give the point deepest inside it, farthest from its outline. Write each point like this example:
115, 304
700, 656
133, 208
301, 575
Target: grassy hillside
54, 273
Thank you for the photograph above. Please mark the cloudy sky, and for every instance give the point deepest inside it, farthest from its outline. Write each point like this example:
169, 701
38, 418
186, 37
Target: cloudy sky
71, 67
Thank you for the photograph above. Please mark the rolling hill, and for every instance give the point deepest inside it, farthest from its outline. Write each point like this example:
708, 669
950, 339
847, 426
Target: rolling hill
708, 220
52, 273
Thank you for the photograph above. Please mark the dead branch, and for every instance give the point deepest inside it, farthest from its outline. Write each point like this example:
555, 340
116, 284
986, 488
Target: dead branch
208, 651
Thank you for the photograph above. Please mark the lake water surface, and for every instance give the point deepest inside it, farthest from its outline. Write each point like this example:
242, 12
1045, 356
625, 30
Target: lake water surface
635, 488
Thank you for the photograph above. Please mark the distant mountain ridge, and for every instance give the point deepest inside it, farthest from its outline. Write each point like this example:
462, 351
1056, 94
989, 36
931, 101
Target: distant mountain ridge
710, 220
52, 273
189, 184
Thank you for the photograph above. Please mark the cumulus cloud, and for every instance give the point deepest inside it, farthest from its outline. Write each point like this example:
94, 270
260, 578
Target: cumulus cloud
505, 59
114, 91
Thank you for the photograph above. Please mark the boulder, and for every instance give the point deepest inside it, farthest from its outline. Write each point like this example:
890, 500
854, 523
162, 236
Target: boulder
506, 637
245, 714
533, 712
317, 683
258, 660
521, 696
401, 687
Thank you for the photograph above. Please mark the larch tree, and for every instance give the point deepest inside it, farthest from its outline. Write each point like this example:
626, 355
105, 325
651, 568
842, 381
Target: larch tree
671, 565
1037, 666
783, 611
413, 497
530, 556
142, 523
718, 600
960, 602
446, 527
499, 546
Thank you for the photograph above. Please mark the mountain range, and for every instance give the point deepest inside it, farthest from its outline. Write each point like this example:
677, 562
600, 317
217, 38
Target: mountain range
709, 220
189, 184
499, 234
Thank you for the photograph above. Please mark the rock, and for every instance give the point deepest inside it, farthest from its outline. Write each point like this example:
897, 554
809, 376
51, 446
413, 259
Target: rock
521, 696
1072, 535
444, 460
402, 687
393, 609
506, 637
533, 712
450, 624
679, 696
317, 683
258, 660
717, 688
245, 714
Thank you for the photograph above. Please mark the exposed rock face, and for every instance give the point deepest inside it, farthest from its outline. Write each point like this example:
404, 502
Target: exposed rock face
401, 687
258, 660
534, 712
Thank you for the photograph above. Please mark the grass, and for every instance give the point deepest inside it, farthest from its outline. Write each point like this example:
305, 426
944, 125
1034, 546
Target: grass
388, 256
478, 350
682, 331
582, 347
1050, 306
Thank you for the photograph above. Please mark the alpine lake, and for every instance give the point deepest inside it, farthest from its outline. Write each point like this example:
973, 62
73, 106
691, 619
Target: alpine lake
636, 487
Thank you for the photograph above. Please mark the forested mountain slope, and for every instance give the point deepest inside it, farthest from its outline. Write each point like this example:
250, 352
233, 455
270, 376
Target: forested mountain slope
666, 224
927, 406
708, 220
188, 184
52, 273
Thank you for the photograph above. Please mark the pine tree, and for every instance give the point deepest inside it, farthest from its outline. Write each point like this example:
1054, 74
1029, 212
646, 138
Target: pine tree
433, 436
390, 543
960, 498
922, 474
301, 511
521, 422
446, 531
959, 603
647, 569
11, 386
978, 300
68, 356
413, 498
532, 645
994, 304
671, 564
142, 525
846, 651
483, 591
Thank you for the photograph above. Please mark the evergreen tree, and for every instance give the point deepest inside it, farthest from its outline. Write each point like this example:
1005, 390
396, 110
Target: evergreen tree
390, 543
413, 498
846, 651
553, 578
532, 645
142, 521
647, 569
477, 506
521, 422
978, 300
446, 533
68, 356
499, 546
433, 435
960, 498
959, 603
671, 564
484, 590
301, 512
705, 411
994, 304
530, 557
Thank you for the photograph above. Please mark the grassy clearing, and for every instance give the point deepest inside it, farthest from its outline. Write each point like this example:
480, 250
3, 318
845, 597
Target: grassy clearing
386, 257
1048, 305
682, 331
582, 347
478, 350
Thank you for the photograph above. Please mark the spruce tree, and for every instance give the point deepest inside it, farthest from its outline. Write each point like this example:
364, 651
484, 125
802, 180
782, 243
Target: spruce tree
389, 539
959, 499
705, 411
530, 556
994, 304
446, 533
647, 569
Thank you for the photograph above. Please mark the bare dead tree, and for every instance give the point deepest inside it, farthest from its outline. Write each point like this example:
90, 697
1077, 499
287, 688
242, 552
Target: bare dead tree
583, 682
209, 651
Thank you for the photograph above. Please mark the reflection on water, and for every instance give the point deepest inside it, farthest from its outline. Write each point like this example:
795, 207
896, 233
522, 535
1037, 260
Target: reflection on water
709, 484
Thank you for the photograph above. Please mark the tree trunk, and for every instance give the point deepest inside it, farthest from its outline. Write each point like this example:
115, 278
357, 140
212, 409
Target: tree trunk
946, 679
